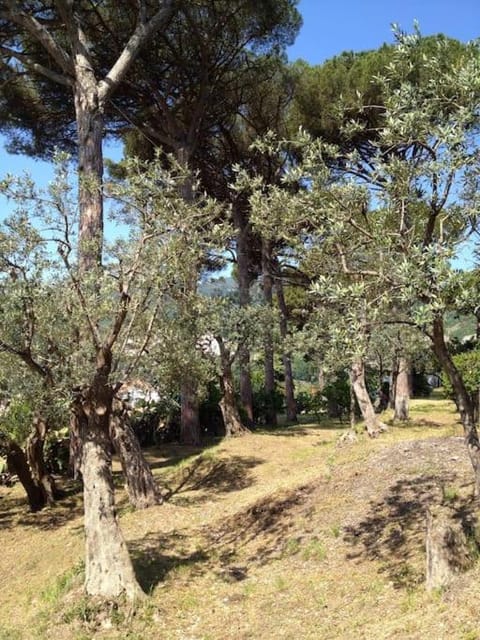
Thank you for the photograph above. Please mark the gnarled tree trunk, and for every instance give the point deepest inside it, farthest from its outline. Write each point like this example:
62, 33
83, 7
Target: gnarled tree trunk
34, 452
357, 374
17, 464
141, 487
228, 405
108, 567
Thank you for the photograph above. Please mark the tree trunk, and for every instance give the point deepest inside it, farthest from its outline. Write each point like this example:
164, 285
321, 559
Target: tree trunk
393, 382
447, 552
228, 405
462, 397
189, 407
189, 418
240, 221
352, 406
108, 567
291, 405
90, 168
34, 451
270, 413
141, 487
17, 464
75, 447
372, 424
402, 390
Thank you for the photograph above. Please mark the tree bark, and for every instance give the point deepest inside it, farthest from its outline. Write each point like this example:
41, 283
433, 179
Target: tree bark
228, 405
36, 461
189, 407
402, 390
17, 464
240, 221
270, 413
372, 424
90, 171
393, 382
142, 489
189, 418
447, 552
290, 404
462, 397
75, 447
108, 567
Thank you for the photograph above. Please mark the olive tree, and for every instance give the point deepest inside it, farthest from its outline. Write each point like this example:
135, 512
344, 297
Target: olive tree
393, 221
106, 325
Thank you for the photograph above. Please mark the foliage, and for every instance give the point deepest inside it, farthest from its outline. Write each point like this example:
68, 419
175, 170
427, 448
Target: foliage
468, 365
262, 401
15, 421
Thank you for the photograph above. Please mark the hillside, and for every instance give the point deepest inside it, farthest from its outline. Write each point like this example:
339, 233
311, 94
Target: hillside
281, 534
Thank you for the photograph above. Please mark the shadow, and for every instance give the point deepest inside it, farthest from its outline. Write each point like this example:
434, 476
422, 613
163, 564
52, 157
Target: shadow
394, 531
268, 521
218, 476
170, 455
14, 510
427, 423
152, 566
296, 430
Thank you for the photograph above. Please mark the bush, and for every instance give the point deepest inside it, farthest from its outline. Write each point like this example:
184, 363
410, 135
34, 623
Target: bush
261, 399
337, 396
156, 423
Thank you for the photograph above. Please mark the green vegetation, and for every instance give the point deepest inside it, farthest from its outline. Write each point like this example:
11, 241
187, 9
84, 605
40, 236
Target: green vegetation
269, 452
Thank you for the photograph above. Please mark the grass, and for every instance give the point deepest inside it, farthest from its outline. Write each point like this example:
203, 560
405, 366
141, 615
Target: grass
281, 534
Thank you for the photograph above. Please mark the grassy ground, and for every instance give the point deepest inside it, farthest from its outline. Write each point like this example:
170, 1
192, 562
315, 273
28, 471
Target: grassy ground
281, 534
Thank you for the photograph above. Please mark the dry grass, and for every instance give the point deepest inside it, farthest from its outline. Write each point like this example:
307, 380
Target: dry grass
281, 534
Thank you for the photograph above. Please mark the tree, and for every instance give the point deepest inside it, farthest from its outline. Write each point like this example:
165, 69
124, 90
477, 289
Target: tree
211, 75
68, 58
394, 221
107, 328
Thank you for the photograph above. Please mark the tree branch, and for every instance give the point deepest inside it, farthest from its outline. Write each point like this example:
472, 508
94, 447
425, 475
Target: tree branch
40, 33
143, 32
37, 67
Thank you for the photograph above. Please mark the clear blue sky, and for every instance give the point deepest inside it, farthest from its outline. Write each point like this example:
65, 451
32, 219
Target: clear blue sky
330, 27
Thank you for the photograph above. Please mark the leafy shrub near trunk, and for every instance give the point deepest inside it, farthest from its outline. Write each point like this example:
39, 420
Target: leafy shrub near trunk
468, 364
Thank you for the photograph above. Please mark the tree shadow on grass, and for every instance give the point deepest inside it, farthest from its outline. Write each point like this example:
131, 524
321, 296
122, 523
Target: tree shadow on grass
394, 530
156, 555
296, 430
14, 509
214, 475
267, 523
170, 455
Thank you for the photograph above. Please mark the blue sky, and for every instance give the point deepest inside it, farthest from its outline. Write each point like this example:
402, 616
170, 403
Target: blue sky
330, 27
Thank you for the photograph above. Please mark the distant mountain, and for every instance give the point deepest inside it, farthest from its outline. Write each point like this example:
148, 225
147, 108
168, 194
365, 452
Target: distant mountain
218, 286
